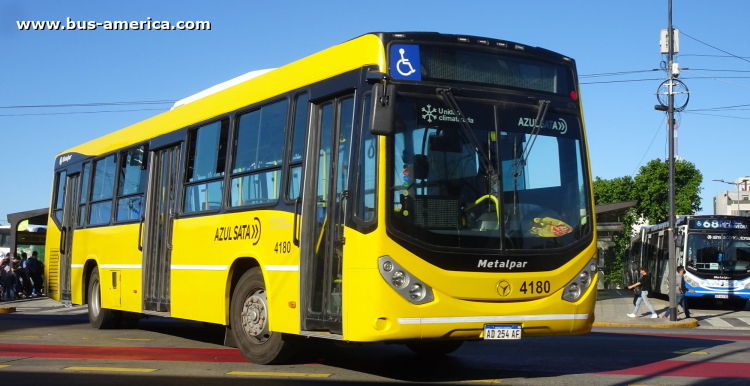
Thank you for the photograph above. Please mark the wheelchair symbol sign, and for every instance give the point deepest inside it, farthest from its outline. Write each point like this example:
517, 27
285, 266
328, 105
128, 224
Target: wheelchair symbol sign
405, 62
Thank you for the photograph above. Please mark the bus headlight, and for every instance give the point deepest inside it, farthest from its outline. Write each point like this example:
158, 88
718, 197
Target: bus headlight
403, 282
584, 278
399, 279
416, 292
580, 283
691, 280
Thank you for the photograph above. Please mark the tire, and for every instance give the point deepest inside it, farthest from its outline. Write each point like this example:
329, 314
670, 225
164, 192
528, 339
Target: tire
435, 348
254, 340
100, 318
738, 304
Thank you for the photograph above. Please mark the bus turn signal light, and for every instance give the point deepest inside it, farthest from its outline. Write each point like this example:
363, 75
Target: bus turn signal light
292, 304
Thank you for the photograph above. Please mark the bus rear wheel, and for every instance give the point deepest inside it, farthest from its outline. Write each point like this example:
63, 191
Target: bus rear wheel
435, 348
249, 323
99, 317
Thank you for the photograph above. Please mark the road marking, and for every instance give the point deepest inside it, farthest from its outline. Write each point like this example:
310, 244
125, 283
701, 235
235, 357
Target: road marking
746, 320
18, 336
275, 374
718, 322
490, 381
121, 369
4, 366
138, 339
669, 352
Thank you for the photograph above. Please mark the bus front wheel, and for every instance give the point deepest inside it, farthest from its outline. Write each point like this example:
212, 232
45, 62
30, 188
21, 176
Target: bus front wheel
249, 322
99, 317
435, 348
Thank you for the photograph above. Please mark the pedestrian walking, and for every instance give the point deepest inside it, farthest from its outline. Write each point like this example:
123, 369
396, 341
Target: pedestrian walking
6, 272
36, 269
681, 290
644, 285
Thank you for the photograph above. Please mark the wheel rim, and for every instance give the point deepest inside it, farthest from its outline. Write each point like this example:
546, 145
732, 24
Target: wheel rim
255, 316
96, 304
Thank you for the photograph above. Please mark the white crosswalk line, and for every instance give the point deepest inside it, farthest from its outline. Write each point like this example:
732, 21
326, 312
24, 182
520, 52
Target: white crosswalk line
746, 320
718, 322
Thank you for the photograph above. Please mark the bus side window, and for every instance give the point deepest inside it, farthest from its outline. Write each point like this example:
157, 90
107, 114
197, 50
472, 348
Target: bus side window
84, 194
100, 209
368, 167
297, 151
60, 195
206, 160
133, 175
258, 155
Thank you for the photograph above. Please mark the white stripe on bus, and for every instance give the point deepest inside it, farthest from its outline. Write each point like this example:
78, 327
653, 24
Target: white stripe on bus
201, 267
289, 268
484, 319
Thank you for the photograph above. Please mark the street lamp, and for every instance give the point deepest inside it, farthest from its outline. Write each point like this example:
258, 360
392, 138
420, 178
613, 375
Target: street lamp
737, 185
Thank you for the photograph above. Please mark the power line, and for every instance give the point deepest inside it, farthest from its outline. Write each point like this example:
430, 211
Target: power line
77, 112
649, 146
715, 56
717, 78
91, 104
621, 81
616, 73
721, 108
699, 77
716, 115
716, 48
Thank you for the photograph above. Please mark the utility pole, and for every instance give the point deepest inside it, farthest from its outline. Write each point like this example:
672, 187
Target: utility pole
670, 113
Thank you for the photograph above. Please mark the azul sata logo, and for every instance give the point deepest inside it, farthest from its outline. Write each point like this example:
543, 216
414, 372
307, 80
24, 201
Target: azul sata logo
558, 125
429, 113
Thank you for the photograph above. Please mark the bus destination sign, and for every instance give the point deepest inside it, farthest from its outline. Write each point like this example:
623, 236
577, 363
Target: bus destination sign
719, 224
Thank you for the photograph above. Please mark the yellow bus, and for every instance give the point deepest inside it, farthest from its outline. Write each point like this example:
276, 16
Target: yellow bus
418, 188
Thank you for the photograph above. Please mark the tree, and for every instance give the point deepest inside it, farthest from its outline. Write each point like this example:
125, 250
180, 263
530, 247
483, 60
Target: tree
607, 192
651, 189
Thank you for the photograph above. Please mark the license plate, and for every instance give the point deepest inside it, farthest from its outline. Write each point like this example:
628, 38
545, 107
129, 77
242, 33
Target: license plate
721, 296
502, 331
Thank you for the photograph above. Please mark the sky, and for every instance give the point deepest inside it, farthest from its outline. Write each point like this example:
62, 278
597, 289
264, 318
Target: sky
623, 129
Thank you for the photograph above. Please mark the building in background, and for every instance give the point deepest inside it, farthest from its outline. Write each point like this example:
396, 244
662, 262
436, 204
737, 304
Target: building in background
736, 200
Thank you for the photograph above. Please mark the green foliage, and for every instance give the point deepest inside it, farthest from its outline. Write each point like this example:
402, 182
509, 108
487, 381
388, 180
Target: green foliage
651, 188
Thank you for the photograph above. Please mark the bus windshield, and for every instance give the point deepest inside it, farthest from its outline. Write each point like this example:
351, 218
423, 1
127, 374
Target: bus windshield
441, 192
719, 253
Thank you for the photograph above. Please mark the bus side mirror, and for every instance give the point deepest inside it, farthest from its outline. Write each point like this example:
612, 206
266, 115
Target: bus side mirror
680, 240
384, 105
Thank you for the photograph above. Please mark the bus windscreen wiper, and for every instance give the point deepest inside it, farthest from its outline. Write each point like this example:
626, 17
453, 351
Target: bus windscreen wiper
541, 113
447, 97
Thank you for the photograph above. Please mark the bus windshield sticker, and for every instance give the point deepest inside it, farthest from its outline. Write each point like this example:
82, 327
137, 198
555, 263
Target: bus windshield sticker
405, 62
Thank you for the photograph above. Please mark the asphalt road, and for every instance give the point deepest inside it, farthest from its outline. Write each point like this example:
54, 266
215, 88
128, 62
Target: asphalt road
57, 346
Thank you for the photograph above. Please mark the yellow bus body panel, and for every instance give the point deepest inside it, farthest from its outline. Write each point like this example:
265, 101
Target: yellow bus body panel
218, 241
115, 251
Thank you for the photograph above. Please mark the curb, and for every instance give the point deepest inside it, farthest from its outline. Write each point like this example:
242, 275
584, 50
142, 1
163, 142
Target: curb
687, 323
7, 310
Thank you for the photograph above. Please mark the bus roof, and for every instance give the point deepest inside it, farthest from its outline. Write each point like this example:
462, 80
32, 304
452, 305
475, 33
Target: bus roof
256, 86
362, 51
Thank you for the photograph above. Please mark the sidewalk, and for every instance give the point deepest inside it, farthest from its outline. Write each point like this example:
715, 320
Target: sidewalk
29, 303
612, 307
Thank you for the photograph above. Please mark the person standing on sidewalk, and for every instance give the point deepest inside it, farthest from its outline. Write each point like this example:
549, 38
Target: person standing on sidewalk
681, 290
645, 285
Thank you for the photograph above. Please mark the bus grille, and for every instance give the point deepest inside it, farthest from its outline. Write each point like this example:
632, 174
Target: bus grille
53, 276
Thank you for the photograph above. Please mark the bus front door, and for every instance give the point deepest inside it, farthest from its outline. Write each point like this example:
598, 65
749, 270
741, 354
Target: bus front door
157, 228
69, 224
323, 213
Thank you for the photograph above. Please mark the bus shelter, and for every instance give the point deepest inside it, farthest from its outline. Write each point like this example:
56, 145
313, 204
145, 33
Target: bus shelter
28, 231
608, 222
